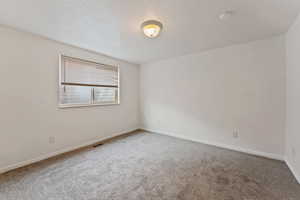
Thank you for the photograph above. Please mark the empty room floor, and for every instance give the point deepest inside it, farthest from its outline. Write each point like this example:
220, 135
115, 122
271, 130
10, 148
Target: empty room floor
146, 166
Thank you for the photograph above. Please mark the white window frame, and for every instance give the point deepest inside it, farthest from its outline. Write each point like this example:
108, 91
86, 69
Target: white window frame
91, 104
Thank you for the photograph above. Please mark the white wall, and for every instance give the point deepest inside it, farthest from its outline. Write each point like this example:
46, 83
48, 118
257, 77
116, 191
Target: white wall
293, 98
28, 103
201, 97
206, 96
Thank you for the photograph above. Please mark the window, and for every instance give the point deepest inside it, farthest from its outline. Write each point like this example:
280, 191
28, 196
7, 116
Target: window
86, 83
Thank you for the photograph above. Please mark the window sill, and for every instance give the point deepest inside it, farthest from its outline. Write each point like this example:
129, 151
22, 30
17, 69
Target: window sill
63, 106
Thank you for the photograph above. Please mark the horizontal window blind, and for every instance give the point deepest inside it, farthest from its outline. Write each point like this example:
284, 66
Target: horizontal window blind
88, 83
102, 95
75, 95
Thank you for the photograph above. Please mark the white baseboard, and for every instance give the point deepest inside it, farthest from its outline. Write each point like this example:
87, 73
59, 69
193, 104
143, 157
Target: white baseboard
49, 155
296, 175
224, 146
65, 150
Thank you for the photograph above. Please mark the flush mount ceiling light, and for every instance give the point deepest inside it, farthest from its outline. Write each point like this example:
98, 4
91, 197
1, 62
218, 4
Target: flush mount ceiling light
226, 15
152, 28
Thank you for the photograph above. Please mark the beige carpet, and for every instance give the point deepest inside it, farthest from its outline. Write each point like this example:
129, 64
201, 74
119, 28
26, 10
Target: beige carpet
148, 166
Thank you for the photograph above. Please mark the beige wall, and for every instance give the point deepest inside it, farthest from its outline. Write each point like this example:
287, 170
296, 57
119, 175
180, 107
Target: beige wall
28, 103
293, 98
206, 96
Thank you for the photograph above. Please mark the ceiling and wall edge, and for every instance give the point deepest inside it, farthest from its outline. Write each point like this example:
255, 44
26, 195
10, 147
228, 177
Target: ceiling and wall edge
139, 64
65, 43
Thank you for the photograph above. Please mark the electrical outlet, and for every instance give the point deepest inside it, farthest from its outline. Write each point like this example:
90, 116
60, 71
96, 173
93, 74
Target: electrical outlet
158, 121
51, 140
293, 152
235, 133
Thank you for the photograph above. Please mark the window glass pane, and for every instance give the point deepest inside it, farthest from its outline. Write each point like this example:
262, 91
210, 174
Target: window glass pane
75, 95
105, 95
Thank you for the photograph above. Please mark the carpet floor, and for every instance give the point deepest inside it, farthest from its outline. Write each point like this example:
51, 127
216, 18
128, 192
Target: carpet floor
147, 166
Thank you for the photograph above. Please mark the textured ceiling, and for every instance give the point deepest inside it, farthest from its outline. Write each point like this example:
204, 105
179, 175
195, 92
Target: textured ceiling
112, 27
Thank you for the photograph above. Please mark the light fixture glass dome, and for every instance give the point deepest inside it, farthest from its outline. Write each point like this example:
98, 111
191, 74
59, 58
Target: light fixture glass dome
152, 28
